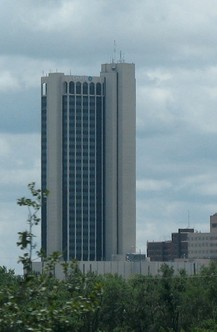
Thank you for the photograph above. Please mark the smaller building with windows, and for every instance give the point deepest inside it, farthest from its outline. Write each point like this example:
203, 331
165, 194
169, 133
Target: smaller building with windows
204, 245
186, 244
170, 250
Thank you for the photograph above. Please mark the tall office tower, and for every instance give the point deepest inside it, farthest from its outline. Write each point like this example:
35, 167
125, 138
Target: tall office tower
88, 163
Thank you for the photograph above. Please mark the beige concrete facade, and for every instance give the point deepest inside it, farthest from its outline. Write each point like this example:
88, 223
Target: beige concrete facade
204, 245
54, 165
120, 158
129, 269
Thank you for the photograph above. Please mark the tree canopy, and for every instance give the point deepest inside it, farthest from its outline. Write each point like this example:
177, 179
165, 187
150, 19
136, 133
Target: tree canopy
96, 303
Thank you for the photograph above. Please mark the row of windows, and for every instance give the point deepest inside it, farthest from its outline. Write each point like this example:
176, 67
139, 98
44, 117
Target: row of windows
85, 185
81, 170
79, 232
86, 156
81, 124
72, 212
78, 150
86, 204
77, 243
82, 88
86, 138
85, 208
81, 139
85, 160
85, 152
80, 191
79, 118
78, 111
80, 252
78, 183
84, 164
79, 197
85, 177
203, 251
75, 147
72, 185
77, 208
90, 254
79, 214
202, 238
86, 170
79, 236
202, 244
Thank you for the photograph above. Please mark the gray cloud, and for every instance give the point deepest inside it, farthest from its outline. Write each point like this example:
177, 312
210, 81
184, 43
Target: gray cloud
173, 44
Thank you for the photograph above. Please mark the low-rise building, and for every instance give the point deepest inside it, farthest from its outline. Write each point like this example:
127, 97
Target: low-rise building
204, 245
186, 244
170, 250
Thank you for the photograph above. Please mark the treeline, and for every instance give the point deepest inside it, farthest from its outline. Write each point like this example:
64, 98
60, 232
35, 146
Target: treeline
92, 303
89, 303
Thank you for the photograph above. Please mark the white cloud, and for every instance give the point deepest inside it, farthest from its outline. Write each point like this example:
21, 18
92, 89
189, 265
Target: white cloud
4, 146
200, 184
8, 82
21, 160
152, 185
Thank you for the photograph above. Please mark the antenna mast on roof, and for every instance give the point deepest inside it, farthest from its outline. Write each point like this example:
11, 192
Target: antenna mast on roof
188, 219
121, 60
114, 52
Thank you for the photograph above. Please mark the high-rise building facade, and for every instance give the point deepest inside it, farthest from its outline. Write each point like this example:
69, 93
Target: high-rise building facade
88, 163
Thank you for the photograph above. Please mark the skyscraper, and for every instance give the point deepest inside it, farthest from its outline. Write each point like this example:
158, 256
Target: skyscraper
88, 163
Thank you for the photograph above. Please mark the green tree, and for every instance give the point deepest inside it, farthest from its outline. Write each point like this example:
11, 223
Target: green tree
41, 302
26, 237
114, 302
91, 303
143, 305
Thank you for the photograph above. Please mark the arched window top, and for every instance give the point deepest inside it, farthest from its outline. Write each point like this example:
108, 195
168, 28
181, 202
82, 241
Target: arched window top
65, 87
92, 88
71, 87
78, 88
44, 89
98, 88
85, 88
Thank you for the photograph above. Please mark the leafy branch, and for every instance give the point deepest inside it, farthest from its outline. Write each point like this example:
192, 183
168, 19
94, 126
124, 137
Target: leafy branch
26, 237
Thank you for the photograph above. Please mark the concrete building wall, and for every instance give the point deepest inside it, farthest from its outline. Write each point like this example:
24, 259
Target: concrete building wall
111, 162
202, 245
54, 162
213, 223
129, 269
120, 158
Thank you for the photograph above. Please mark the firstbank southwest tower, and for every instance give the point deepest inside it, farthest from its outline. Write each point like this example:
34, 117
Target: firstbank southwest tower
88, 163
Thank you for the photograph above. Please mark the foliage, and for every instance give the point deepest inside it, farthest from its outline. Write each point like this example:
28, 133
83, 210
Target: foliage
41, 302
26, 237
91, 303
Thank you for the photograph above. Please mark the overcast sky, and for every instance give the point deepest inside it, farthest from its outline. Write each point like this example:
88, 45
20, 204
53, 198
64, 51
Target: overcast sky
174, 47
